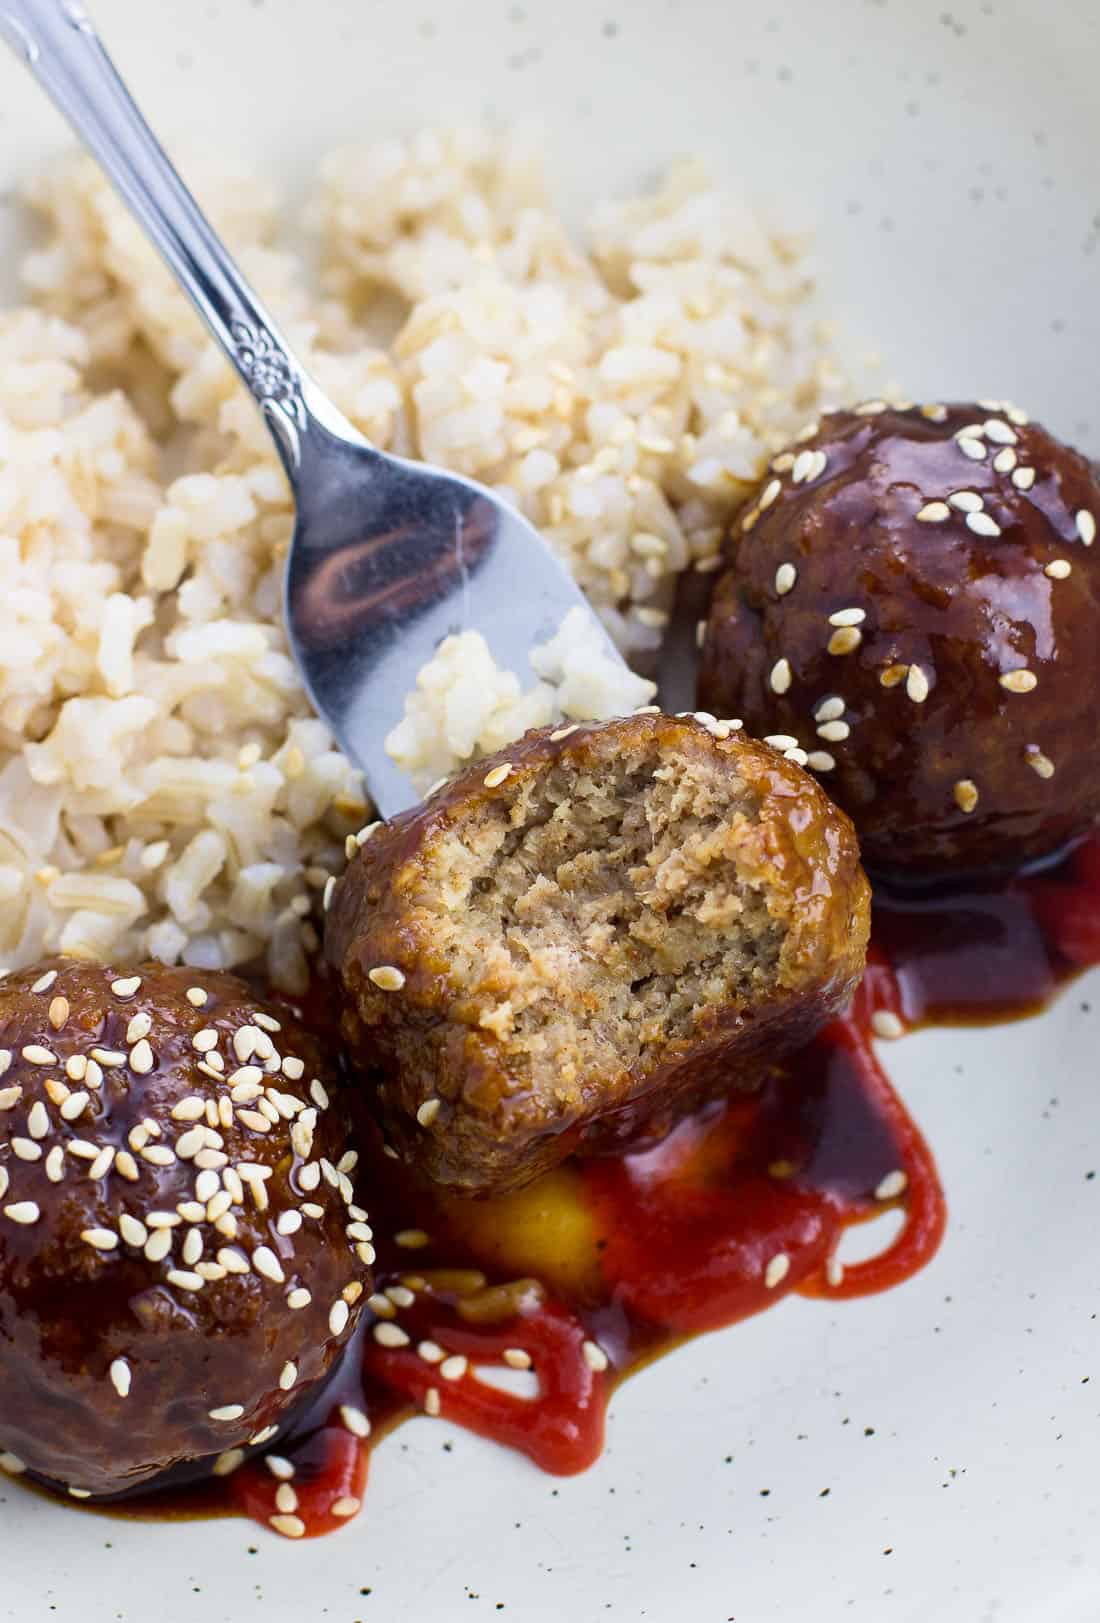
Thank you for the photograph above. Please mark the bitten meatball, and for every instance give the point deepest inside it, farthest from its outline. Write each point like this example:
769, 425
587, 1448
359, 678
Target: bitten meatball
583, 937
914, 595
179, 1261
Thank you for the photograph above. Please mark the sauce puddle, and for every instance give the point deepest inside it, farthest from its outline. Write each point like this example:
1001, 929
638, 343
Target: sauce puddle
603, 1265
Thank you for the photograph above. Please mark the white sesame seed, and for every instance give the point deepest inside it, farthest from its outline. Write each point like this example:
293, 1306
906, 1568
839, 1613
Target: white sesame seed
158, 1245
102, 1163
298, 1299
777, 1270
1059, 569
516, 1358
25, 1149
381, 1306
387, 978
192, 1247
834, 732
982, 524
820, 761
140, 1026
433, 1404
797, 755
972, 448
227, 1463
870, 408
293, 1068
1039, 763
848, 617
9, 1097
281, 1469
5, 1060
1020, 681
100, 1239
288, 1375
803, 464
205, 1041
127, 986
412, 1239
38, 1121
132, 1231
933, 513
966, 501
1005, 460
966, 794
59, 1012
355, 1420
55, 1164
894, 1184
594, 1356
338, 1317
884, 1023
196, 996
454, 1367
23, 1211
998, 432
74, 1106
228, 1411
830, 709
109, 1058
189, 1109
286, 1500
834, 1271
916, 684
184, 1280
11, 1463
780, 678
1086, 526
388, 1335
35, 1054
288, 1526
267, 1263
785, 577
120, 1377
781, 741
347, 1505
1023, 478
845, 640
76, 1067
80, 1493
494, 779
44, 982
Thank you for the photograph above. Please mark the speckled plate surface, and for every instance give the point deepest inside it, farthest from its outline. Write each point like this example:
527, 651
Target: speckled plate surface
946, 152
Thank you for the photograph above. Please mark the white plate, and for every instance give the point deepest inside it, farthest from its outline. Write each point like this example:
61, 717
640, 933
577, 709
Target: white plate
946, 151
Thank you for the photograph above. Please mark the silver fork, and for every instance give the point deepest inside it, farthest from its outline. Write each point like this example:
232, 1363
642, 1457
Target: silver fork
388, 556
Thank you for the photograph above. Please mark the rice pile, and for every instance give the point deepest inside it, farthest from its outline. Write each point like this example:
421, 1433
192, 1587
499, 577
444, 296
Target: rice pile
164, 788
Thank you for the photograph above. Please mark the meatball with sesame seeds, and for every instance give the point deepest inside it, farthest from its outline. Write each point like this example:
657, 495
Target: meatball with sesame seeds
913, 595
181, 1255
579, 940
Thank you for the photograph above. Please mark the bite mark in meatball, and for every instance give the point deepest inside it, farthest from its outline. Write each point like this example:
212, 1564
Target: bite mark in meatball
913, 594
583, 937
181, 1255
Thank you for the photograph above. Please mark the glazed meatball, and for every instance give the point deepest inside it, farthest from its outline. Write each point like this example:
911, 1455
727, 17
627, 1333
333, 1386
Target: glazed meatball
179, 1265
581, 938
914, 595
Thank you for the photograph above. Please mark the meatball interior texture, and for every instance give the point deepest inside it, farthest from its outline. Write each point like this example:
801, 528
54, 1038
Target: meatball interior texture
914, 595
179, 1262
579, 939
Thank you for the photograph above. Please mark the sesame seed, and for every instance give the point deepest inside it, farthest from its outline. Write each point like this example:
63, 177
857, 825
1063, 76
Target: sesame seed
820, 761
140, 1026
387, 978
432, 1402
516, 1358
389, 1335
770, 492
5, 1060
192, 1247
110, 1058
381, 1306
834, 1271
797, 755
355, 1420
1086, 527
55, 1164
347, 1505
1005, 460
834, 732
102, 1163
972, 448
38, 1121
133, 1232
785, 577
886, 1024
191, 1211
288, 1375
935, 413
781, 741
158, 1245
281, 1469
933, 513
916, 684
288, 1526
293, 1068
267, 1263
1020, 681
93, 1075
5, 1181
830, 709
189, 1109
35, 1054
80, 1147
594, 1356
26, 1149
845, 640
264, 1435
127, 986
10, 1097
184, 1280
56, 1090
23, 1211
80, 1493
412, 1239
74, 1106
982, 524
120, 1377
428, 1111
999, 432
966, 794
870, 408
286, 1500
298, 1299
780, 678
338, 1317
162, 1220
848, 617
309, 1176
454, 1367
100, 1239
1059, 569
205, 1041
11, 1463
430, 1351
494, 779
1040, 763
59, 1012
1023, 478
44, 982
748, 521
76, 1067
803, 466
227, 1463
777, 1270
894, 1184
966, 501
228, 1411
158, 1155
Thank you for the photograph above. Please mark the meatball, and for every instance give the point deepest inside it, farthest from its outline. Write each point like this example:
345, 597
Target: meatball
913, 594
583, 937
179, 1261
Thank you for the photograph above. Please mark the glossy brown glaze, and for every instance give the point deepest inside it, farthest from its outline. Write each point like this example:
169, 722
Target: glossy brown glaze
500, 1121
943, 768
119, 1352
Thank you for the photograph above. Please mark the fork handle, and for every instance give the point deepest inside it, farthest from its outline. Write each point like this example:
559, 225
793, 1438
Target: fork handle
58, 43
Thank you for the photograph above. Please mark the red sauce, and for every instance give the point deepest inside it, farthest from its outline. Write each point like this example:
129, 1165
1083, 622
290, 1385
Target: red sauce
743, 1202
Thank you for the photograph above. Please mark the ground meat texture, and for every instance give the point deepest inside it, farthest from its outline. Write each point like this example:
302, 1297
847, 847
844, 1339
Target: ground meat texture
179, 1266
585, 936
914, 596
